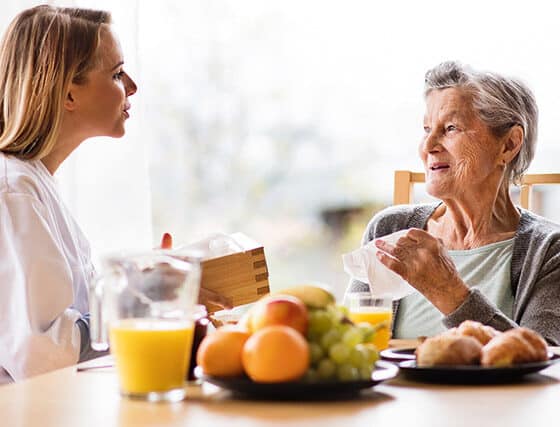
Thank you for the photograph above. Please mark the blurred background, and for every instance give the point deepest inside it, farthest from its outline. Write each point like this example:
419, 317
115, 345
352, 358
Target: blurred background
286, 119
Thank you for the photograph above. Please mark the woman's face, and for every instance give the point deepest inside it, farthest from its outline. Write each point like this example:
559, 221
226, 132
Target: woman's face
101, 103
459, 152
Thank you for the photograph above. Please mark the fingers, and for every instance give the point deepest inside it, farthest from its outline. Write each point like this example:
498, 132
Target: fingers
166, 241
402, 256
416, 235
399, 250
391, 263
421, 237
412, 240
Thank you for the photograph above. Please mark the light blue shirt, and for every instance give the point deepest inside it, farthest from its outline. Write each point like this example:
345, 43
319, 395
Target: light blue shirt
486, 268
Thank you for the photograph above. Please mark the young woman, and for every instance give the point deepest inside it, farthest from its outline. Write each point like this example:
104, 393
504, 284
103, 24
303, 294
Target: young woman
61, 81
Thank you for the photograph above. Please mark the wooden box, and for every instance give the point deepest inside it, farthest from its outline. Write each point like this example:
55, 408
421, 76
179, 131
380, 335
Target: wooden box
240, 276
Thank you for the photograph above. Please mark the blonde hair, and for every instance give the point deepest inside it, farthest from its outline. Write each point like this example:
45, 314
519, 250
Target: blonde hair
44, 50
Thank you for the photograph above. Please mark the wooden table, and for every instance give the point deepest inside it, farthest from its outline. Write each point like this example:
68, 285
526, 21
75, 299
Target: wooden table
70, 398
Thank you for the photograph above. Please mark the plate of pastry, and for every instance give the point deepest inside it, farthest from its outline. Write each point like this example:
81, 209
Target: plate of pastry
398, 354
472, 374
478, 354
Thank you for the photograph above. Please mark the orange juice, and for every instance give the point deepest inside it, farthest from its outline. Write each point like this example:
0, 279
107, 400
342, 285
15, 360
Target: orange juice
378, 317
151, 355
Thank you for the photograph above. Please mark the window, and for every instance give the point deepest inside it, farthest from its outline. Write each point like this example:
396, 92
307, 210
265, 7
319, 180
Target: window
286, 119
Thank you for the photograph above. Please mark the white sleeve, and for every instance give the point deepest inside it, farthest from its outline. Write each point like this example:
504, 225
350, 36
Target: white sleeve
38, 330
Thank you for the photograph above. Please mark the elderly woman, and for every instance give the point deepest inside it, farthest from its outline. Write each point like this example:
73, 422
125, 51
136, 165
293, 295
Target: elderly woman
474, 255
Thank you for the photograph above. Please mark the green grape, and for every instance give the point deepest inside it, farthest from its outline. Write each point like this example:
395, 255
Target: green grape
365, 372
339, 353
372, 355
320, 321
313, 336
343, 328
359, 357
343, 310
316, 352
329, 338
334, 313
352, 337
347, 373
326, 369
311, 376
368, 331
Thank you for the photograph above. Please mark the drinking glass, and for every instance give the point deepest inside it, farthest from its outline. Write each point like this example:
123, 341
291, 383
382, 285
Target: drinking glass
378, 312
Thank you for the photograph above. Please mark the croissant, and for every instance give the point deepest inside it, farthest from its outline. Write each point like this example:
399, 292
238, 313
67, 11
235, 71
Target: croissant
483, 333
519, 345
448, 348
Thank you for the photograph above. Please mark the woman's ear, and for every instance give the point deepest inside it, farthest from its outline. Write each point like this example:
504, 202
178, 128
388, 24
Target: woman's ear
512, 144
69, 101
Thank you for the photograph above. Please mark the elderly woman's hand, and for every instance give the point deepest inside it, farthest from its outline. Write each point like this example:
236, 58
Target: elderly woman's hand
421, 260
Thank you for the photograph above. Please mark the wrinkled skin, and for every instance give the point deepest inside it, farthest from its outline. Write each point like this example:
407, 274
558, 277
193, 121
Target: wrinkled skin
422, 261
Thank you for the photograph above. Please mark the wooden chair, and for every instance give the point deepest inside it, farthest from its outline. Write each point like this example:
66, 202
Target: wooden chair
405, 180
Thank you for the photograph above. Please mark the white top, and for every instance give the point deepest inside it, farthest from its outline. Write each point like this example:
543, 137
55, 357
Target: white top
486, 268
44, 271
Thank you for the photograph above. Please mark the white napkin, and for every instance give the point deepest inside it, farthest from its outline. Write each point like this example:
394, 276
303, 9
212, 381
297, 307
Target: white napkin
213, 246
363, 265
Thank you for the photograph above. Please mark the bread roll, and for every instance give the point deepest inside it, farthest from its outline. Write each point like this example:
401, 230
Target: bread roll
519, 345
537, 341
477, 330
449, 348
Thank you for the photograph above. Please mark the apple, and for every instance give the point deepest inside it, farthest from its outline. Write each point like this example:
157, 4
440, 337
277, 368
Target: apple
280, 310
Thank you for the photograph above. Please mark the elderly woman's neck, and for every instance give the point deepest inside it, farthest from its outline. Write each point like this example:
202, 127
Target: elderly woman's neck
467, 224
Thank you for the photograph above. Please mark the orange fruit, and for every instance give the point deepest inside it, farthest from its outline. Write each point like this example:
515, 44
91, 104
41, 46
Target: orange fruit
275, 354
219, 353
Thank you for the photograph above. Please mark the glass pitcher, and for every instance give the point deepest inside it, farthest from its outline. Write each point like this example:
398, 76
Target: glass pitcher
143, 305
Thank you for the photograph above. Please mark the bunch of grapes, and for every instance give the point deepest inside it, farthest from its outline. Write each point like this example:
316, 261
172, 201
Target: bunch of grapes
340, 350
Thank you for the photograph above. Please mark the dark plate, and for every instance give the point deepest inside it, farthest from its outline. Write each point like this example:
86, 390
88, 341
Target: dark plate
472, 374
398, 354
299, 389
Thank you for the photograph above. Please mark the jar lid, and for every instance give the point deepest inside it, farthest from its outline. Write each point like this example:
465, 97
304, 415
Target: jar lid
200, 311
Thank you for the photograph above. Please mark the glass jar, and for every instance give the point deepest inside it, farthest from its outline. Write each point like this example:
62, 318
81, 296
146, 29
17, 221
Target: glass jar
200, 329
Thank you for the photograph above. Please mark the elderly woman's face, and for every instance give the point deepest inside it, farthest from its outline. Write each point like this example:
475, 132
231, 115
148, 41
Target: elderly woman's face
459, 152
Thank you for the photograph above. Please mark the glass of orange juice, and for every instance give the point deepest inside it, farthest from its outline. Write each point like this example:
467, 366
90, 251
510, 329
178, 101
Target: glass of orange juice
142, 306
378, 312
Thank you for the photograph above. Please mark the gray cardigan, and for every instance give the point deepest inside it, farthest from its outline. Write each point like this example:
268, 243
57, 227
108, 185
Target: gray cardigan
535, 272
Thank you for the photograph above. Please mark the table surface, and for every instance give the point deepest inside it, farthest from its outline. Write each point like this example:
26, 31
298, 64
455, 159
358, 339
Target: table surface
69, 397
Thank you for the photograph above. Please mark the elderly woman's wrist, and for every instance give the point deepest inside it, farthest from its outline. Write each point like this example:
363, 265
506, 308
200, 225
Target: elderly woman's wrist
456, 296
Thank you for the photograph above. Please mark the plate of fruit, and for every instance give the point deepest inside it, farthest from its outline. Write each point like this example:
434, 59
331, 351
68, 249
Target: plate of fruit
302, 389
294, 344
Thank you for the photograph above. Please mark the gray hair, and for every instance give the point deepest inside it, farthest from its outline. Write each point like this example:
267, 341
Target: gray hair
500, 102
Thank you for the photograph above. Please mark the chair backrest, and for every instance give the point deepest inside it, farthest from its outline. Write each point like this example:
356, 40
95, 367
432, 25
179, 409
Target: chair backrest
405, 180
